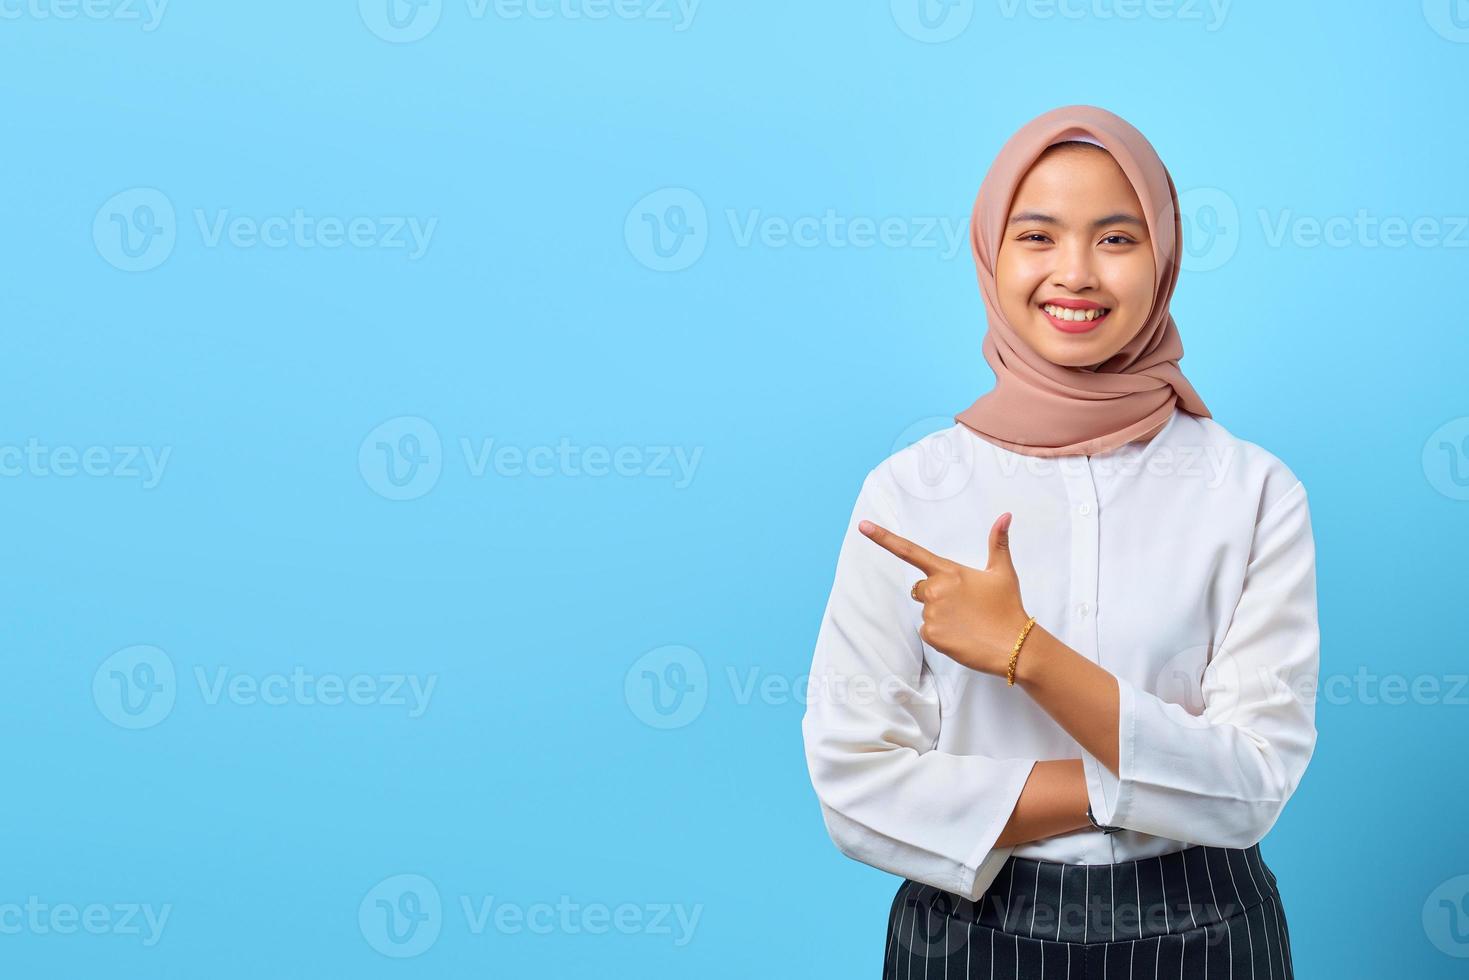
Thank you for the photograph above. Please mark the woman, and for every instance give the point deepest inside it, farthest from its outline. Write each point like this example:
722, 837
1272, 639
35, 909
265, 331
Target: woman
1072, 777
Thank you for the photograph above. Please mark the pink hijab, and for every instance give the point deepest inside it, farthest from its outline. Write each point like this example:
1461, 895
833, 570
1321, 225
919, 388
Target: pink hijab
1038, 407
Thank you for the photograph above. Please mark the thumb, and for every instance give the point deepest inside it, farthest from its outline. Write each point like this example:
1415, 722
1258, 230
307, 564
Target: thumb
1000, 545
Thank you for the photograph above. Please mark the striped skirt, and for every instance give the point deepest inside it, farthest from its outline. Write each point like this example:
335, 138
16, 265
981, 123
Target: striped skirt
1196, 913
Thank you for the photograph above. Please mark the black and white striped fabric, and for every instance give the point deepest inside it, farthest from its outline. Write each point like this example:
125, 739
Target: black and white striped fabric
1197, 913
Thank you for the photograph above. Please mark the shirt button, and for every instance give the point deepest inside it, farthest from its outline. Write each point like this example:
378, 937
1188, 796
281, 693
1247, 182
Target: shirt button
1085, 508
1082, 609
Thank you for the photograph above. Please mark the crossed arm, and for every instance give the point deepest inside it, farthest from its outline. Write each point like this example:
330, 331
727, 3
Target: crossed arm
1082, 697
1079, 694
892, 800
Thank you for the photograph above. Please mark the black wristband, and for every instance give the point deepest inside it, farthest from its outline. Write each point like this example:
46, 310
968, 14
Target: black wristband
1097, 826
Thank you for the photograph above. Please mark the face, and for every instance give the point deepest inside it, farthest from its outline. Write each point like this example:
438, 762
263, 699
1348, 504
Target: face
1076, 247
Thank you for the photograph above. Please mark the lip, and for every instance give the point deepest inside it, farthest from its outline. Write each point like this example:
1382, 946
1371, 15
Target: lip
1074, 326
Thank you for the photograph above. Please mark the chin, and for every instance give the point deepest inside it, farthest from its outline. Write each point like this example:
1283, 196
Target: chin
1079, 350
1075, 358
1077, 353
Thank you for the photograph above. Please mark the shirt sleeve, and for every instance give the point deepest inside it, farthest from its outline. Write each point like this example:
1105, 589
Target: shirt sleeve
888, 798
1223, 777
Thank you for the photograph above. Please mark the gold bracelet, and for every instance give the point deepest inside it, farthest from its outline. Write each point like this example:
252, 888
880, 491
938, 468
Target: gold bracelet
1015, 653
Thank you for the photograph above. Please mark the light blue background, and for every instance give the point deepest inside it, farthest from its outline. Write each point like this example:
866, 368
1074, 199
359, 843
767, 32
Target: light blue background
542, 310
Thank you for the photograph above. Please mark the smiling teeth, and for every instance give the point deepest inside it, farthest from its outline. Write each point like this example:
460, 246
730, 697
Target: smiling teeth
1062, 313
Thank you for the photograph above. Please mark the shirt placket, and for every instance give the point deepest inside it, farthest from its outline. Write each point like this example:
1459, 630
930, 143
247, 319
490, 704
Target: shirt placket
1081, 494
1079, 476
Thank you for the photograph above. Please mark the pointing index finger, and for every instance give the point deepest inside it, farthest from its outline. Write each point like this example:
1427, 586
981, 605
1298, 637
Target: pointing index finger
914, 554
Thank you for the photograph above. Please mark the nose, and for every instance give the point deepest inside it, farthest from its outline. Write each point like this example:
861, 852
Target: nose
1076, 268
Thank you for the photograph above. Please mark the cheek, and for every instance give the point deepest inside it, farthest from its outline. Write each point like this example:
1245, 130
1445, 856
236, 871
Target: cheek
1019, 274
1133, 282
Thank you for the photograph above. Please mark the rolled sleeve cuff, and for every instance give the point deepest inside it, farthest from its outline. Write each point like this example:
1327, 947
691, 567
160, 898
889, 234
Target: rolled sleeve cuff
1107, 793
979, 871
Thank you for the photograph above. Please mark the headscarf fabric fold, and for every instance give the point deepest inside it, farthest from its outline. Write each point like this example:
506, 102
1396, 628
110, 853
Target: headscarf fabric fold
1038, 407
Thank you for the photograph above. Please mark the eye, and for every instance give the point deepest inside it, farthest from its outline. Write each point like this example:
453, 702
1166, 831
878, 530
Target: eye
1124, 239
1032, 236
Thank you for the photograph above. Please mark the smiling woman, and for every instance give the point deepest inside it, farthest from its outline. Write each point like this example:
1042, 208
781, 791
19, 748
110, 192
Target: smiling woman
1092, 715
1076, 285
1078, 212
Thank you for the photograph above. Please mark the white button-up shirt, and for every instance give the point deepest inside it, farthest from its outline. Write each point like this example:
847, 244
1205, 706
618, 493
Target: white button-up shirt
1185, 566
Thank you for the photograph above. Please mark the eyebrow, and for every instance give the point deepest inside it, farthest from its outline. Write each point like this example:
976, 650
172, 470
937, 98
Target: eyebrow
1120, 218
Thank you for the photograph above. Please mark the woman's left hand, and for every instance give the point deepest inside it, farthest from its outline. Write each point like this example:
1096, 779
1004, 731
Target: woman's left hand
973, 615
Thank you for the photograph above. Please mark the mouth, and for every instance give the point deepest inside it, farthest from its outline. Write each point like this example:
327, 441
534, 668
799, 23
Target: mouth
1075, 316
